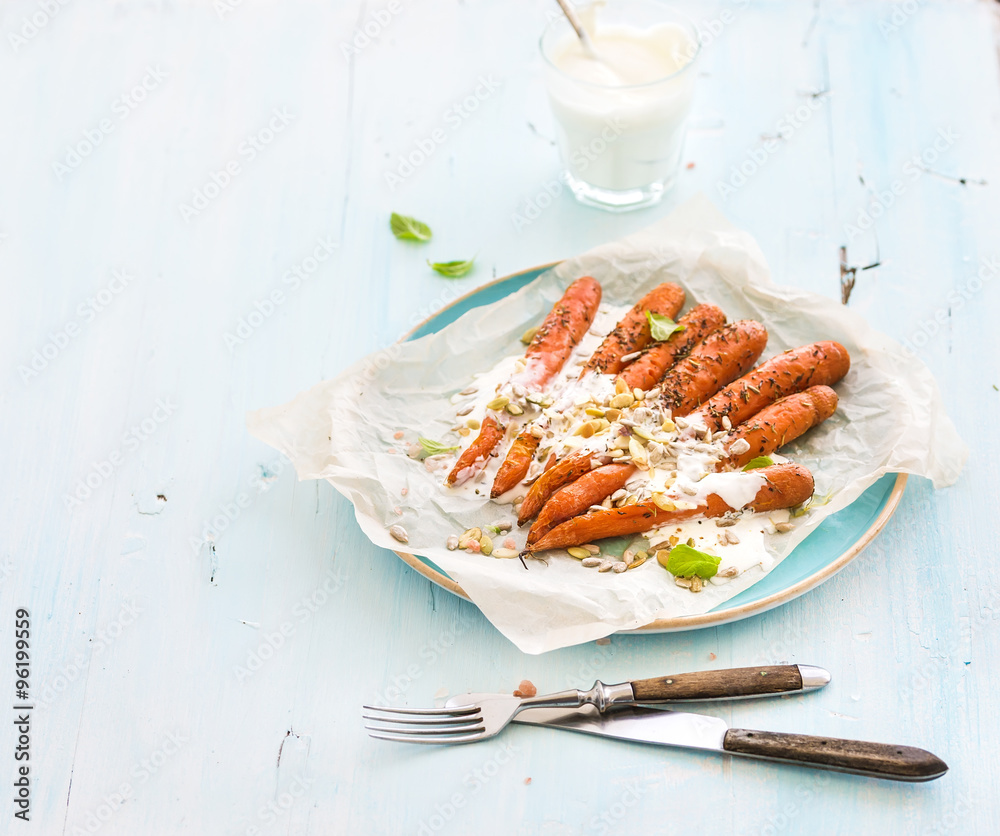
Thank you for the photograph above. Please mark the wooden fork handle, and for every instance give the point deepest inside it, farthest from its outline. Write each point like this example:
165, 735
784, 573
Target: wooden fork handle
733, 683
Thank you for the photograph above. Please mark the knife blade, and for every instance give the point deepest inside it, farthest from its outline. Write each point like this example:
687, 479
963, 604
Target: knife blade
698, 731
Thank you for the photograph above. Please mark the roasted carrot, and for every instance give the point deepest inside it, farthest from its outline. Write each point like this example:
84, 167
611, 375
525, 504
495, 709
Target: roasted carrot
553, 342
632, 333
646, 371
780, 423
817, 364
474, 456
719, 359
516, 465
590, 489
785, 485
564, 471
562, 329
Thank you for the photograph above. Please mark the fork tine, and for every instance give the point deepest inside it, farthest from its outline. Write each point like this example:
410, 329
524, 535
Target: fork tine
458, 710
409, 738
448, 730
464, 719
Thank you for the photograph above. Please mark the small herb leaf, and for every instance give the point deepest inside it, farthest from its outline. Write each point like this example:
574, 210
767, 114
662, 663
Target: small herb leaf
685, 562
760, 461
452, 269
409, 229
661, 327
432, 448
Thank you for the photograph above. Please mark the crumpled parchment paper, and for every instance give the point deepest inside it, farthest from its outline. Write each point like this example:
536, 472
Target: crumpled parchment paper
891, 419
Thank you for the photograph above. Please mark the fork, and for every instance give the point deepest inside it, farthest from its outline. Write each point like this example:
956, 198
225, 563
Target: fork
486, 717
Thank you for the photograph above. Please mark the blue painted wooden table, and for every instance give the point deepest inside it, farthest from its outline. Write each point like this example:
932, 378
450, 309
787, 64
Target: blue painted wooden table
193, 223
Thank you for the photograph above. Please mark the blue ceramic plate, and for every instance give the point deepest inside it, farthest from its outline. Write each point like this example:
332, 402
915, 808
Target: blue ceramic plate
837, 541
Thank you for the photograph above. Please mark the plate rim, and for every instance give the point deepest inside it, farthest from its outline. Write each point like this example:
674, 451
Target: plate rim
683, 622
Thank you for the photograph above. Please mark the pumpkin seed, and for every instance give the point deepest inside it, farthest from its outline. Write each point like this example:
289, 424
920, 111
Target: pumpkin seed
529, 335
578, 553
498, 403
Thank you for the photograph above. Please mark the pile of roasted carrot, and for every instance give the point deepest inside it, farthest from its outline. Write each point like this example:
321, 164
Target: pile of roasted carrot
703, 376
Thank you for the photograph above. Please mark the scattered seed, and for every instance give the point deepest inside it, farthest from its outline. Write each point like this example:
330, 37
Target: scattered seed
537, 432
498, 402
612, 414
689, 490
502, 525
680, 423
514, 409
638, 394
621, 387
731, 572
486, 545
451, 543
577, 552
652, 393
591, 562
723, 522
731, 538
636, 561
465, 410
622, 401
473, 424
505, 553
783, 527
696, 584
628, 358
590, 547
606, 565
465, 432
685, 582
470, 391
726, 423
739, 447
529, 335
399, 533
596, 508
621, 493
619, 567
595, 463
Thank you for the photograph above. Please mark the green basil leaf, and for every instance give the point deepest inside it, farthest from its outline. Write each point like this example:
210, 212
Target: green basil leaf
432, 448
661, 327
686, 562
409, 229
452, 269
760, 461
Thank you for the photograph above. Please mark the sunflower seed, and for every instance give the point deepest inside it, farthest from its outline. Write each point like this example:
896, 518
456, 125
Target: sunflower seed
591, 562
726, 423
628, 358
470, 391
606, 565
783, 527
399, 533
464, 410
452, 543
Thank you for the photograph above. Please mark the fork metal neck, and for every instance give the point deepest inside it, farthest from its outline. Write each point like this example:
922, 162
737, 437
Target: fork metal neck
601, 696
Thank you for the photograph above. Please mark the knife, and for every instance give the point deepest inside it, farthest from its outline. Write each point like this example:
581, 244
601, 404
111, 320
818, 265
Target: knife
685, 730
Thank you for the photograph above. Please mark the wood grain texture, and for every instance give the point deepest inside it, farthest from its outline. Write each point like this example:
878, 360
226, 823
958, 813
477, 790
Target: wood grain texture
245, 614
880, 760
727, 684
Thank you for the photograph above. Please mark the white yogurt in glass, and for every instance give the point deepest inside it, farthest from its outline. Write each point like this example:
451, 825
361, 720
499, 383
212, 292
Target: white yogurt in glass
622, 118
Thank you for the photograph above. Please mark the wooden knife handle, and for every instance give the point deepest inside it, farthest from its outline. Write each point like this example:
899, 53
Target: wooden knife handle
878, 760
719, 685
